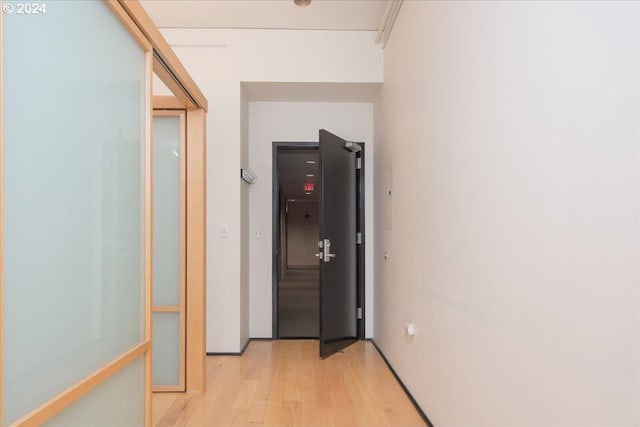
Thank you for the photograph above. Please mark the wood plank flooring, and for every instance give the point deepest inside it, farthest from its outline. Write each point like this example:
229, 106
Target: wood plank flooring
285, 383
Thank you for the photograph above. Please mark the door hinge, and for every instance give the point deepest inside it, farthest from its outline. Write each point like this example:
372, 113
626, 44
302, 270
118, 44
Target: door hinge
358, 238
358, 162
359, 313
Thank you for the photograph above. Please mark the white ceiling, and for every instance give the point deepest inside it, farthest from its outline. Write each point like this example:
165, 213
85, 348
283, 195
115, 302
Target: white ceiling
362, 15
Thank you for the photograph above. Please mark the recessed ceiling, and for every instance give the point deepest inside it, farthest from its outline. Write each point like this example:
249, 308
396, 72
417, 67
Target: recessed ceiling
362, 15
311, 92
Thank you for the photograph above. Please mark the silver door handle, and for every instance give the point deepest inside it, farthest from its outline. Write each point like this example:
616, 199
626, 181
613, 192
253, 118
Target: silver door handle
327, 251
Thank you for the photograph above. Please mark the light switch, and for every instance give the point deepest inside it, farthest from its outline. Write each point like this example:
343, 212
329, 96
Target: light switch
224, 231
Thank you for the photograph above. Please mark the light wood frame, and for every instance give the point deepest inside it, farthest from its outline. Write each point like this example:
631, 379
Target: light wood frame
167, 103
196, 243
180, 307
166, 64
54, 405
187, 96
196, 249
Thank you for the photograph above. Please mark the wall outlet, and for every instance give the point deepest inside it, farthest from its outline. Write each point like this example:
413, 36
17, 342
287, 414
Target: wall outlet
410, 328
258, 234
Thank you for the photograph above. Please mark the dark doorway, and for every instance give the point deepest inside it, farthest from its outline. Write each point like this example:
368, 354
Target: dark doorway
298, 213
298, 284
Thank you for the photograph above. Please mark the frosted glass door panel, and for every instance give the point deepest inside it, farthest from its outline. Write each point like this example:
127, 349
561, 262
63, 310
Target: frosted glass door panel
74, 114
117, 402
166, 349
167, 252
166, 210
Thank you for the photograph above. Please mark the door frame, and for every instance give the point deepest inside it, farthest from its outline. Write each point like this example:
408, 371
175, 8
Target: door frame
278, 146
194, 229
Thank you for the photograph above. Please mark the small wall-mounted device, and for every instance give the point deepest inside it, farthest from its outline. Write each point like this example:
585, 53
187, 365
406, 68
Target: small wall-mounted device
248, 175
410, 328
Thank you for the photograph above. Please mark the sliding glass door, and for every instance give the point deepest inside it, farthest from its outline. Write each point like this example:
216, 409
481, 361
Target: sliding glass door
169, 251
75, 205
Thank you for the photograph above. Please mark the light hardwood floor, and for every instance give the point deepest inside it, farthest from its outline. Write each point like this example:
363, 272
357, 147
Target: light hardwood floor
285, 383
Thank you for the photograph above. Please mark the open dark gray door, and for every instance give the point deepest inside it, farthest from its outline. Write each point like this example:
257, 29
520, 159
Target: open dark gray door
337, 252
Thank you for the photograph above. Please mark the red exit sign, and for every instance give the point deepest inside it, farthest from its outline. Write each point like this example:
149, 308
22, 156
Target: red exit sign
308, 186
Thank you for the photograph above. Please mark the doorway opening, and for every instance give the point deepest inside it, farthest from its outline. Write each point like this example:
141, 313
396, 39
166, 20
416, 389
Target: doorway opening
296, 232
299, 275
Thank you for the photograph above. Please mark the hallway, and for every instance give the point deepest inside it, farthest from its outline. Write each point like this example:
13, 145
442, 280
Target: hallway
285, 383
298, 304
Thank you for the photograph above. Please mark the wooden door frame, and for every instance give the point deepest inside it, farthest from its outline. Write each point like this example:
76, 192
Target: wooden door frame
195, 243
166, 64
196, 250
188, 96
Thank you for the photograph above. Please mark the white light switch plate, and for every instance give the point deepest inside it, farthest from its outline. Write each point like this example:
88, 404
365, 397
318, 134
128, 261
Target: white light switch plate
224, 231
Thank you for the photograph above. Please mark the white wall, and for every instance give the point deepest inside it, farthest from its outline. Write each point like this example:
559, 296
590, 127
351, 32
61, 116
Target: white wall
299, 121
219, 60
512, 130
244, 224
